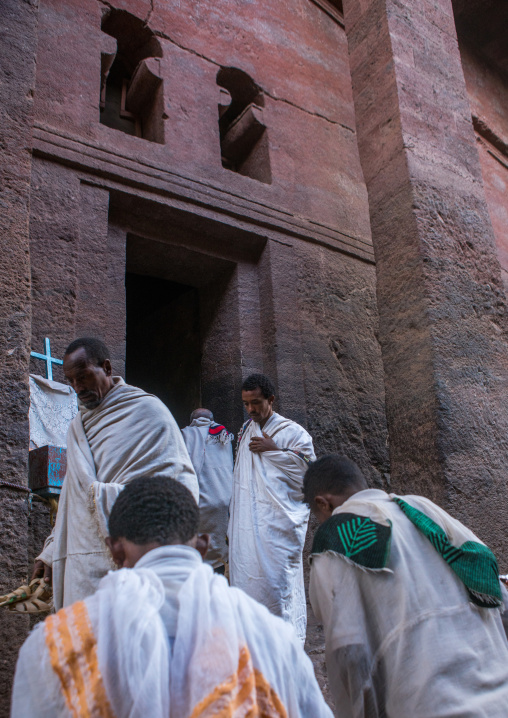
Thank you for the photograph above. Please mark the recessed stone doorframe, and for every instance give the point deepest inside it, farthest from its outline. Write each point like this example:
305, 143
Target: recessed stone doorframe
247, 296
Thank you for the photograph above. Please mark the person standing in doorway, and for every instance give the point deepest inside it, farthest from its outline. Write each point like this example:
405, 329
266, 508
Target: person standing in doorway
268, 520
210, 448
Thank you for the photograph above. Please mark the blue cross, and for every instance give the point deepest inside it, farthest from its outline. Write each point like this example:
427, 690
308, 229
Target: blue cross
48, 359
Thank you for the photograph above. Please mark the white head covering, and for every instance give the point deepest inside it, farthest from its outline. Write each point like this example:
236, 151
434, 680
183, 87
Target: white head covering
132, 643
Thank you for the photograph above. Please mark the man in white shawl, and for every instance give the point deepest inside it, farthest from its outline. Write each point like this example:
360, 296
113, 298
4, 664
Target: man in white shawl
268, 520
410, 600
163, 637
119, 433
210, 448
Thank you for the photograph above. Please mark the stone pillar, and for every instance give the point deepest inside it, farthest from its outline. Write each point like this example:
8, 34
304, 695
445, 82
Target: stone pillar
18, 42
443, 323
100, 275
280, 329
222, 350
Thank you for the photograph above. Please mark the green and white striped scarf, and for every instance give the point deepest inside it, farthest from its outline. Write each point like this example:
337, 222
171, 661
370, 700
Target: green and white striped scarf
473, 562
367, 544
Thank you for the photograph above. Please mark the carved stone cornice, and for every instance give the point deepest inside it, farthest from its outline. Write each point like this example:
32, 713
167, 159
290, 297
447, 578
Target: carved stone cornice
199, 195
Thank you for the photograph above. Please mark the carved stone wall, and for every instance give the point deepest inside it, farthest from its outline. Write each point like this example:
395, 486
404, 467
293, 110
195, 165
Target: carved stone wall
266, 220
282, 260
441, 301
17, 73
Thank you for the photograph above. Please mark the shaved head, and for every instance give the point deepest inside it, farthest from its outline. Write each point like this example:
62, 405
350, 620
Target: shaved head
201, 414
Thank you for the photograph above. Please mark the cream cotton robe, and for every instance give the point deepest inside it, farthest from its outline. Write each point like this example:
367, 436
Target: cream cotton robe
130, 434
268, 520
212, 458
405, 641
166, 639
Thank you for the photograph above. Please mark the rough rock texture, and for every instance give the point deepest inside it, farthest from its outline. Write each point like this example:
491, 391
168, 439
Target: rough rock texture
39, 528
272, 276
440, 296
281, 274
342, 377
16, 87
17, 70
77, 280
487, 88
309, 114
341, 359
13, 629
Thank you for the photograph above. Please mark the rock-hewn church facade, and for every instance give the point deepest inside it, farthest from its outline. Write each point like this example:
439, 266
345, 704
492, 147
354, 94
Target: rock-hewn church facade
312, 189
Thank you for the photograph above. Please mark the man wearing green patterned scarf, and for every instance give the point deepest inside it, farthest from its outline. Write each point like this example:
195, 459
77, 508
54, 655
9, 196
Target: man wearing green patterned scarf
410, 600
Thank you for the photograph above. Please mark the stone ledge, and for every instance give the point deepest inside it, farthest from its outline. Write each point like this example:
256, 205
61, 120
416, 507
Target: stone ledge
88, 156
483, 129
330, 9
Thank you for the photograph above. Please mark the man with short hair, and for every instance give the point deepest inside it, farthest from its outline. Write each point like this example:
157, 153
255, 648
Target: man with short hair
210, 448
268, 521
119, 433
163, 637
410, 600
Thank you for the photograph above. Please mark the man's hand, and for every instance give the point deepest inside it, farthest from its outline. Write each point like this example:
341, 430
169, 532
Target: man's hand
258, 444
41, 569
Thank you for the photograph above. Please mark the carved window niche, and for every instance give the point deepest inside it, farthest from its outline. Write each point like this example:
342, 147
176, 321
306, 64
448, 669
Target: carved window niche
243, 134
132, 92
113, 106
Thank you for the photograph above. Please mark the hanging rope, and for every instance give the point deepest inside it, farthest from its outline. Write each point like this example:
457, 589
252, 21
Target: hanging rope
16, 487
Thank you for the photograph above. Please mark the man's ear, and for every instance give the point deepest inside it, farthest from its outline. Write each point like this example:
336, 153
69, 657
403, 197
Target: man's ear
117, 550
271, 399
202, 544
324, 505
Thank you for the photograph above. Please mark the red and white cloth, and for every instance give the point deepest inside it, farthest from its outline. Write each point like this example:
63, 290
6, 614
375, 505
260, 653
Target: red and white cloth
210, 449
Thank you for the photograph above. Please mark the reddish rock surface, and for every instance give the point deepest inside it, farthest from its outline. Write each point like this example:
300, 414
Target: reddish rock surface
17, 71
441, 301
270, 276
487, 89
196, 275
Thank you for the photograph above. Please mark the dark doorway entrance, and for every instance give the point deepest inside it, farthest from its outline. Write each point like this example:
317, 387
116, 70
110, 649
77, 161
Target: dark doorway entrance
163, 354
182, 324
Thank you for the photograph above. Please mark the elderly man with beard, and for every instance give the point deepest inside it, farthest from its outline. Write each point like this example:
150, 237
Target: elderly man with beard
119, 434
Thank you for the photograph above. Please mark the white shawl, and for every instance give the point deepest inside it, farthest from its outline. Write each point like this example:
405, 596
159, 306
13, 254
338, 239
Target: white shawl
212, 458
405, 641
268, 520
167, 639
130, 434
